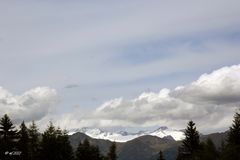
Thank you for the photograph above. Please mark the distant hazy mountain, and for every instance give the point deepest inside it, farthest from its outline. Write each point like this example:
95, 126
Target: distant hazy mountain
147, 148
123, 136
80, 137
217, 138
141, 148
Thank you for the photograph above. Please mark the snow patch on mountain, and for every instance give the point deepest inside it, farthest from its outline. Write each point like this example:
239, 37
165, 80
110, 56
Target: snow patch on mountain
123, 136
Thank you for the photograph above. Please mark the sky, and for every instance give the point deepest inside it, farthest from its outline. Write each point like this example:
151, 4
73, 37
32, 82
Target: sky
120, 64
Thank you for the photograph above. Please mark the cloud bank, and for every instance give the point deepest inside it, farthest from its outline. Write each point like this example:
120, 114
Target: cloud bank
31, 105
211, 100
114, 48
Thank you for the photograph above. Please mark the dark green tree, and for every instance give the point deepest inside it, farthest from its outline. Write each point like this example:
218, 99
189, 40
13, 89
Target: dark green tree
234, 133
80, 152
23, 142
231, 150
191, 141
8, 135
191, 144
55, 145
33, 141
209, 151
49, 147
65, 148
160, 154
85, 151
112, 152
96, 155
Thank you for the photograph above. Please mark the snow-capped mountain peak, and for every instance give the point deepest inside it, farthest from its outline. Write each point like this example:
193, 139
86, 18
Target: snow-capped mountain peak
165, 131
90, 131
162, 128
124, 136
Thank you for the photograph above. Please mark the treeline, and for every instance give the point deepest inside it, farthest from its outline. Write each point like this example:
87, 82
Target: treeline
193, 149
53, 144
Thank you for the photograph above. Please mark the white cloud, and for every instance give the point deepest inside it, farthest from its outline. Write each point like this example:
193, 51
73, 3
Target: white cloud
91, 36
210, 101
31, 105
219, 87
87, 36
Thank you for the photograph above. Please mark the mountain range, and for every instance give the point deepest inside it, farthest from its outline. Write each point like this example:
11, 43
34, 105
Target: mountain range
124, 136
144, 147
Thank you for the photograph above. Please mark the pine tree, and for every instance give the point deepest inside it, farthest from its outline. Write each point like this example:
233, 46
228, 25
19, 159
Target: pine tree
161, 156
209, 151
85, 151
96, 155
112, 152
234, 133
79, 152
23, 142
33, 141
55, 145
190, 145
48, 144
8, 135
65, 147
231, 150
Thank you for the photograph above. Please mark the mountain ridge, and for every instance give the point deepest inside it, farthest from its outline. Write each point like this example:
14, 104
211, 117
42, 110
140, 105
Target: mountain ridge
144, 147
124, 136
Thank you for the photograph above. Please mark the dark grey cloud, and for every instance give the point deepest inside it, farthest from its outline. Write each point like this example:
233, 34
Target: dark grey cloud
71, 86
